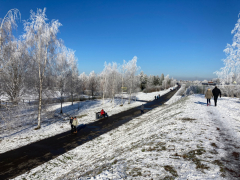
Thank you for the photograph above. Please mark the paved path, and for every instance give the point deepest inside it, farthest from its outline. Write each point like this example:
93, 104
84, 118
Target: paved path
18, 161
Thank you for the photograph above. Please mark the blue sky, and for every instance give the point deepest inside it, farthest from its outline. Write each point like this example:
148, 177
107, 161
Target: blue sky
184, 39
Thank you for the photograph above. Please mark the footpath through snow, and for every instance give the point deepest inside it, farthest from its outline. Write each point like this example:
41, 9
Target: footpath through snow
183, 140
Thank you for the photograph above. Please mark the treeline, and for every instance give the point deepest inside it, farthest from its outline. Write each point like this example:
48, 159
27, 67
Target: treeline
155, 83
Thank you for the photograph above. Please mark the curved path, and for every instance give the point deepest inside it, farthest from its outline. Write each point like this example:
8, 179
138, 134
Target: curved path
23, 159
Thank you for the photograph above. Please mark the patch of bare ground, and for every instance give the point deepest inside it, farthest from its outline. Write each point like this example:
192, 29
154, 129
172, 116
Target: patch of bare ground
192, 156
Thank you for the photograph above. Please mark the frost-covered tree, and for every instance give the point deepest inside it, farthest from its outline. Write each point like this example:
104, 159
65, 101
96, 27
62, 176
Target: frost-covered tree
143, 80
12, 76
104, 79
150, 81
83, 82
72, 73
112, 79
123, 70
93, 83
62, 71
173, 82
231, 70
165, 82
156, 80
41, 38
132, 69
161, 78
7, 24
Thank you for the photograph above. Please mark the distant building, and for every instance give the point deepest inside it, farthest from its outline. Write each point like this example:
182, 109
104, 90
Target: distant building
209, 83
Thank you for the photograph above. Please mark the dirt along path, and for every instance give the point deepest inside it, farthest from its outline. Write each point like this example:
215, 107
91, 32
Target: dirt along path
18, 161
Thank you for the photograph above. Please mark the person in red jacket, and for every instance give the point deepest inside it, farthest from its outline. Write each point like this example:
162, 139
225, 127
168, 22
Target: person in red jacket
103, 113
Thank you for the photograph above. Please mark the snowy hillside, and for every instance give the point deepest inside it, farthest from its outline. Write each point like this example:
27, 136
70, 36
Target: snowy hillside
23, 133
184, 140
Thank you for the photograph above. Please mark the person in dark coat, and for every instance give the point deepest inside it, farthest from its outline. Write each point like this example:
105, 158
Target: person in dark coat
142, 109
216, 92
71, 121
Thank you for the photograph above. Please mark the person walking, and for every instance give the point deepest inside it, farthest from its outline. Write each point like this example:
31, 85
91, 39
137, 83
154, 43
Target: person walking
208, 96
75, 123
71, 121
216, 92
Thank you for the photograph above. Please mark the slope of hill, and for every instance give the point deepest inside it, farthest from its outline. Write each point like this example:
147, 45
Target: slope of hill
183, 140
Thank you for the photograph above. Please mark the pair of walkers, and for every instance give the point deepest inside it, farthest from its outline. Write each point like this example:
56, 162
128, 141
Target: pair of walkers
212, 93
157, 97
74, 123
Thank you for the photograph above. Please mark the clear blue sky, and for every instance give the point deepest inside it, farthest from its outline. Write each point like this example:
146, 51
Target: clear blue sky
184, 39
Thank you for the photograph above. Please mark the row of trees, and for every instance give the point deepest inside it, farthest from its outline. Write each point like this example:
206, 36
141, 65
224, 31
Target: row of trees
150, 83
39, 63
122, 78
230, 73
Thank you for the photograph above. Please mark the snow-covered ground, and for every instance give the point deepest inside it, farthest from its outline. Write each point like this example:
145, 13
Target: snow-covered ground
183, 140
25, 134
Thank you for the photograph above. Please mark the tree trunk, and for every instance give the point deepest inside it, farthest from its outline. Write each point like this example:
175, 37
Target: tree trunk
104, 88
130, 92
122, 91
129, 101
41, 75
61, 106
92, 93
39, 102
103, 98
72, 98
113, 89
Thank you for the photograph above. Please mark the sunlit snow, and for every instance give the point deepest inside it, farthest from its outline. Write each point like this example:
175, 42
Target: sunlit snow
185, 140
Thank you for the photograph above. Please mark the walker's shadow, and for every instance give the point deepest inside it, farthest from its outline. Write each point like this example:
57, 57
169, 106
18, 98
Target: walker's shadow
202, 103
72, 108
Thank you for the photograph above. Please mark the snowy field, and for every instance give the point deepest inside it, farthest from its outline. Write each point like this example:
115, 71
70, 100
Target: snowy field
183, 140
24, 133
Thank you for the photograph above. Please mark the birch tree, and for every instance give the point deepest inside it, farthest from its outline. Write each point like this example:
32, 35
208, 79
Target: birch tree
161, 79
62, 70
41, 38
83, 82
165, 82
123, 74
7, 24
12, 76
93, 83
132, 69
112, 80
72, 73
104, 77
